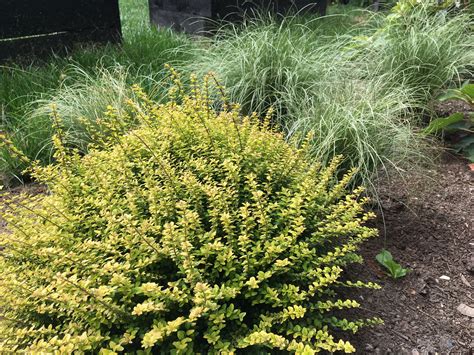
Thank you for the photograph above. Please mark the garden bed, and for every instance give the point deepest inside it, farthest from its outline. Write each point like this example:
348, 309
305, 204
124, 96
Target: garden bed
428, 228
363, 105
427, 225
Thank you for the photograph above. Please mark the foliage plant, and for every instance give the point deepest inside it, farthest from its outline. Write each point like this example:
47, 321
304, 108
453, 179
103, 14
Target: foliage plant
82, 103
424, 46
198, 232
80, 100
405, 7
360, 91
394, 269
457, 128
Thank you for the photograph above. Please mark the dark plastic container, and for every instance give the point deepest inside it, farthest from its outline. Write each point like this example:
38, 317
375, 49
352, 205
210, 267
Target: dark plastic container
199, 16
33, 27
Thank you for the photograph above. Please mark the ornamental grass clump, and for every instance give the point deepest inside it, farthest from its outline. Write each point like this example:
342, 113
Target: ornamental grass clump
198, 232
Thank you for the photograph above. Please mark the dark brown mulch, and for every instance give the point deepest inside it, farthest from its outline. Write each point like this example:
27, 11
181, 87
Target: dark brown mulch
447, 108
428, 228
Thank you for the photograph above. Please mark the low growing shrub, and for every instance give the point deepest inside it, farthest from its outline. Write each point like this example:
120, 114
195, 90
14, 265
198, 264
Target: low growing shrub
200, 231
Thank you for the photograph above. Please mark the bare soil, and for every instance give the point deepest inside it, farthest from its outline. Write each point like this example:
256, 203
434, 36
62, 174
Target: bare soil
427, 224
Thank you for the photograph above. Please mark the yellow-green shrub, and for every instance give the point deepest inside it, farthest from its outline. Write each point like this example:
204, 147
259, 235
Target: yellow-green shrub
200, 231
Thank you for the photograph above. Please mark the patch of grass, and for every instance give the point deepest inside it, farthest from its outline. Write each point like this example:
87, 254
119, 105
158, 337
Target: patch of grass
266, 57
423, 50
359, 91
142, 55
33, 138
83, 102
367, 121
313, 84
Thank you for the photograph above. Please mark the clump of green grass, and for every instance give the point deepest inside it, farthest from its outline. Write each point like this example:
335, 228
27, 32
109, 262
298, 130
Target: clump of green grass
82, 103
33, 138
359, 92
366, 121
266, 57
26, 90
423, 49
313, 84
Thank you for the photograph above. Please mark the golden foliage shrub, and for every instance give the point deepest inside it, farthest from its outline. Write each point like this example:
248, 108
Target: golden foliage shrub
198, 232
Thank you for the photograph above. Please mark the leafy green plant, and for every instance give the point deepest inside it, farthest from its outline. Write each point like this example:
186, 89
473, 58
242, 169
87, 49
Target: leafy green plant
198, 232
465, 93
395, 270
405, 7
443, 123
423, 48
458, 128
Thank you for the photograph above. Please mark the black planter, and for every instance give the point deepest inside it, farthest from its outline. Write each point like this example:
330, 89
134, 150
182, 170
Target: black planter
32, 27
198, 16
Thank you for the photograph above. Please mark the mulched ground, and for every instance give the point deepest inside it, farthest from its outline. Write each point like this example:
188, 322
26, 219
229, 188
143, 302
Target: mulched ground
427, 225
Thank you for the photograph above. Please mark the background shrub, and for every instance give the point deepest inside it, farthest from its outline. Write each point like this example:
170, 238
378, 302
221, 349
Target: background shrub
197, 232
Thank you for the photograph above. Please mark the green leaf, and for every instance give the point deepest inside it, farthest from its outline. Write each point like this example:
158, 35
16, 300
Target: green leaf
465, 93
442, 123
466, 148
468, 90
453, 94
461, 126
469, 154
400, 272
464, 143
385, 258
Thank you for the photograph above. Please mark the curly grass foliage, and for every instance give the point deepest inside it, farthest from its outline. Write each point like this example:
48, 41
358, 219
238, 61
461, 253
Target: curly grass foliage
200, 231
361, 92
370, 127
320, 86
82, 104
424, 48
261, 62
80, 101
